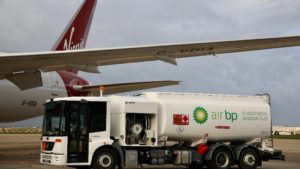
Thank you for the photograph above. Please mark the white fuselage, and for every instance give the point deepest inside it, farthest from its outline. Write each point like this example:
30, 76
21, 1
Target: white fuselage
19, 105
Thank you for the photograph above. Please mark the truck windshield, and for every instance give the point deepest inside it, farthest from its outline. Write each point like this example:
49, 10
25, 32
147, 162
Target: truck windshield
54, 119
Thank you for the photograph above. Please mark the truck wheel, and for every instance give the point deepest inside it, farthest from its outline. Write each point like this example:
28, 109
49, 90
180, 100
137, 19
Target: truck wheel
105, 159
221, 159
248, 159
276, 133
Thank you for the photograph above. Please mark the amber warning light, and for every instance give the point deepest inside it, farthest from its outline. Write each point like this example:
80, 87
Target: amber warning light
101, 89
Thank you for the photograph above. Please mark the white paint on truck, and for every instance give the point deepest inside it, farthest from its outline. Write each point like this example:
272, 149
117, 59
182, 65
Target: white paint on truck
225, 117
157, 128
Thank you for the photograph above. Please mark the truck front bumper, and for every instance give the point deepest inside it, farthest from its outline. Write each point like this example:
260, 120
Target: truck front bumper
53, 159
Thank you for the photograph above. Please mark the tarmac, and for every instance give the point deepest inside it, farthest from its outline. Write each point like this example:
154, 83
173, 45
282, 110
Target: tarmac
22, 151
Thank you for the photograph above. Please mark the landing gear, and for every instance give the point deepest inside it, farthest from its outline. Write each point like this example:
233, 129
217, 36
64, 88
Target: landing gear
105, 159
248, 159
221, 159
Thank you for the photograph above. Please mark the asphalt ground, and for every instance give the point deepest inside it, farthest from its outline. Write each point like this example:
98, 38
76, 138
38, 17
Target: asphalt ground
22, 151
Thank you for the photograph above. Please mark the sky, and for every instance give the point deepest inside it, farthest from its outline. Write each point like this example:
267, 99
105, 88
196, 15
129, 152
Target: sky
35, 25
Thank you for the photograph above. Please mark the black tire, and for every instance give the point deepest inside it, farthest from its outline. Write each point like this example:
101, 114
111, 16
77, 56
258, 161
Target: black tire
221, 159
105, 159
195, 165
276, 133
248, 159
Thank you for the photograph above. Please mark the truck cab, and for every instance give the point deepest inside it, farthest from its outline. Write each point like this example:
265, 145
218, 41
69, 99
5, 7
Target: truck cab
71, 129
76, 128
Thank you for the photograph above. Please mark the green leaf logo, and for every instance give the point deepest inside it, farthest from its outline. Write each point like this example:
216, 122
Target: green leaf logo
200, 115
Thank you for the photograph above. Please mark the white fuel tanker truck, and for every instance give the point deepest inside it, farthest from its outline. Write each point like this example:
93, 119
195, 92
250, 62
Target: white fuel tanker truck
194, 130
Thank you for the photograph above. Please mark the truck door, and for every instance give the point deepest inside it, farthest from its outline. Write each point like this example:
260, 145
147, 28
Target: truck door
77, 133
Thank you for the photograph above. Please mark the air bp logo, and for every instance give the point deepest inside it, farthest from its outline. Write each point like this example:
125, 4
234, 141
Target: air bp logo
200, 115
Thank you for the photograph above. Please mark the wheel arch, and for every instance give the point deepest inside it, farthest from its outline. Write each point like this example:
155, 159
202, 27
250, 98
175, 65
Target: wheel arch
116, 149
120, 154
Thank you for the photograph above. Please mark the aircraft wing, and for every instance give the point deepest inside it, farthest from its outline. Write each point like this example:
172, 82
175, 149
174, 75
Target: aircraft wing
124, 87
57, 60
14, 66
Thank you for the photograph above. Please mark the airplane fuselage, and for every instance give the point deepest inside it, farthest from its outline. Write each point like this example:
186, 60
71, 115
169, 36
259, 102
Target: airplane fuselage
18, 105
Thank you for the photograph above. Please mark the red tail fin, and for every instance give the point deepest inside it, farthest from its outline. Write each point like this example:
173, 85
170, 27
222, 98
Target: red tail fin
76, 33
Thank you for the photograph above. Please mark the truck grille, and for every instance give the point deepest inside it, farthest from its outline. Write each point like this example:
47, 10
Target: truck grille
47, 157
